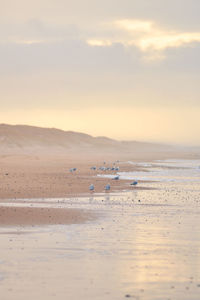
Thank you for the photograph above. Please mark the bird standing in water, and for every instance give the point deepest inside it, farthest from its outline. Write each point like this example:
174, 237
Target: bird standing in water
107, 187
91, 187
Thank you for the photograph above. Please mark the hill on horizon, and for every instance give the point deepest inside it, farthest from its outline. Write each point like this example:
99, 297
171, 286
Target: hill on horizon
29, 139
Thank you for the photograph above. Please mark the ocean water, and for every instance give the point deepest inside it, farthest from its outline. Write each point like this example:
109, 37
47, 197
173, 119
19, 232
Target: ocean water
168, 170
144, 244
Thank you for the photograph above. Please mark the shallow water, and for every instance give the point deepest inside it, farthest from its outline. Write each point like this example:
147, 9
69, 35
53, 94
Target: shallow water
168, 170
143, 245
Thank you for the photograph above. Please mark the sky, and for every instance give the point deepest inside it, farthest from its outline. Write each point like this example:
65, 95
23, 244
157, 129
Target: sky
127, 69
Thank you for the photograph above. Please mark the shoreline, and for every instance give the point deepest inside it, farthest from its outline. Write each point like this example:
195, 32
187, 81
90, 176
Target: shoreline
49, 176
41, 178
154, 234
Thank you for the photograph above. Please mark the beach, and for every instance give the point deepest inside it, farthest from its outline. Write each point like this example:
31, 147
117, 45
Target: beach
30, 177
99, 150
30, 216
139, 243
38, 176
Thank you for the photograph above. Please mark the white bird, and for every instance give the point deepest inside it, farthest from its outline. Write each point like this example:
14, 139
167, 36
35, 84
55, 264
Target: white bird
107, 187
93, 168
91, 187
102, 168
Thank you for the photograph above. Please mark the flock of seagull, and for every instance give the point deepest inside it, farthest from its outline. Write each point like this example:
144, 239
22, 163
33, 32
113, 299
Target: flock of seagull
103, 168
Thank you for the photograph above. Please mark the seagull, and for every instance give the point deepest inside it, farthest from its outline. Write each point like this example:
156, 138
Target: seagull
102, 168
134, 183
107, 187
93, 168
116, 177
91, 187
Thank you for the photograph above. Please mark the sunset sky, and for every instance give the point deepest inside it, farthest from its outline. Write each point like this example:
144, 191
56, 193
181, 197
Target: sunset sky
127, 69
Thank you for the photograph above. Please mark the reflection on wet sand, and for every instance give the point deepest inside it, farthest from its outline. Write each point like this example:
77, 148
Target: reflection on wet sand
143, 245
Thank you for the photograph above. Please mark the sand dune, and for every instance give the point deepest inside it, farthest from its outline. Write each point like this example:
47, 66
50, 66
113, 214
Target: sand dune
35, 161
30, 139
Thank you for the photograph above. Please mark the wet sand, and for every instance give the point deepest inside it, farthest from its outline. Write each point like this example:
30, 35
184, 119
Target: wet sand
147, 250
29, 176
143, 245
29, 216
36, 177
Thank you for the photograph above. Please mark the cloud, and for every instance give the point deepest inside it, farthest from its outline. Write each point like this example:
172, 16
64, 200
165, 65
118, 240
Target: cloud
46, 62
134, 25
99, 43
147, 36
